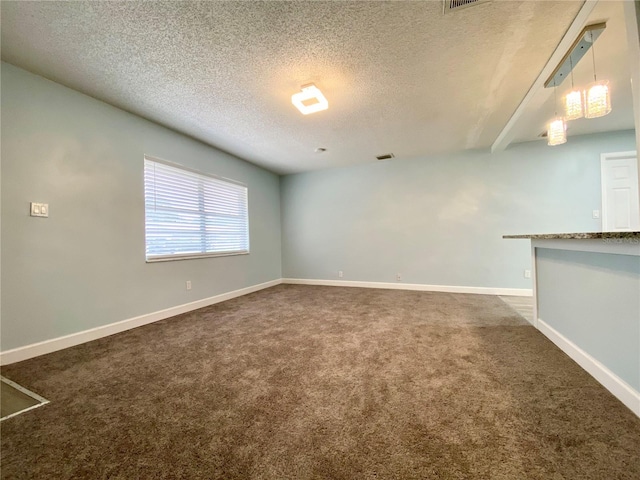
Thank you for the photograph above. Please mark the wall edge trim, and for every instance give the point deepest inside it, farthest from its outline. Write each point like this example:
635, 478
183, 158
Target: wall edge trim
525, 292
609, 380
49, 346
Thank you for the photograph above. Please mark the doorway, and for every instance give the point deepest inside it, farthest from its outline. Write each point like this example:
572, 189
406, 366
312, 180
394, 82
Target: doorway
620, 204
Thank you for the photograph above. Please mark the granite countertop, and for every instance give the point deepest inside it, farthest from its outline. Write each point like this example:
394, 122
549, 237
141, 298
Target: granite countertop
548, 236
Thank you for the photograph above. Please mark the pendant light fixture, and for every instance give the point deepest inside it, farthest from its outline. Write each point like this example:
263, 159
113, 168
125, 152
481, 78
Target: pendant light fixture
597, 97
573, 100
557, 130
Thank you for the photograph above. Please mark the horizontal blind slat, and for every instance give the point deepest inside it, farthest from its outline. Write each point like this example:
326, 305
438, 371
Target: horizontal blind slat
188, 213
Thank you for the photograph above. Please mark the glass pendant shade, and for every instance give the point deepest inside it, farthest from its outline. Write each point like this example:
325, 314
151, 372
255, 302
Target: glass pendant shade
597, 100
557, 132
573, 105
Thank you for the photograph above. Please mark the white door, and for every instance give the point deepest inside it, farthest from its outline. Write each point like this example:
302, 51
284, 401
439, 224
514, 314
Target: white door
620, 205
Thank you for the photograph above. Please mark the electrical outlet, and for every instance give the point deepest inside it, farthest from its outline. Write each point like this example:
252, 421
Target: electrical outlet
39, 209
596, 214
188, 284
340, 274
527, 274
398, 277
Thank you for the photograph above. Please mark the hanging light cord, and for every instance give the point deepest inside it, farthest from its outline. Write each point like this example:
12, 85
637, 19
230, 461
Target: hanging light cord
571, 63
555, 98
593, 57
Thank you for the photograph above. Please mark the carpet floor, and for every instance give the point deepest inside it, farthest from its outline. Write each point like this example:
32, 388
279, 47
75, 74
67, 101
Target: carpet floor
306, 382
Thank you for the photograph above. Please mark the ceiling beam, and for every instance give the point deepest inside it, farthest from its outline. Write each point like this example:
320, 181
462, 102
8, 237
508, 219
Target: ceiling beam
508, 132
632, 18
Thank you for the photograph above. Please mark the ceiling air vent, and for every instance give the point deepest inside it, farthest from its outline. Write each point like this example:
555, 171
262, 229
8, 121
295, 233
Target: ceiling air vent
386, 156
450, 5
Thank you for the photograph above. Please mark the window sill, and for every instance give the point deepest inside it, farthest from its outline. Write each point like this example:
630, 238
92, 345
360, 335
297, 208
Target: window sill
193, 256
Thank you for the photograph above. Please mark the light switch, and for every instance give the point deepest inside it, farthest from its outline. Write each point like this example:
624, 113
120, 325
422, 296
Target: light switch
39, 209
596, 214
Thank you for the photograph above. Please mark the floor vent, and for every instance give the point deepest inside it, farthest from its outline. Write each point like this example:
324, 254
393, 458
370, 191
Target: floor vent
16, 399
386, 156
449, 5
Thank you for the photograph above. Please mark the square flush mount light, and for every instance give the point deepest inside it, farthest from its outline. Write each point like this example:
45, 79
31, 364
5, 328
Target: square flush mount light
309, 100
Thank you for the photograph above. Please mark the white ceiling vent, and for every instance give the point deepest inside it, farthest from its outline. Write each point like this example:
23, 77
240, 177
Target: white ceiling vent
451, 5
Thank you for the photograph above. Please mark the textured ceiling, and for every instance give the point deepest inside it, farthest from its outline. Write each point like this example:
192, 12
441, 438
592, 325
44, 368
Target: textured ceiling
400, 77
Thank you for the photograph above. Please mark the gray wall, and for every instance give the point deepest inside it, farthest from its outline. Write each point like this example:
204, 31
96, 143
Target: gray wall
593, 299
440, 220
84, 266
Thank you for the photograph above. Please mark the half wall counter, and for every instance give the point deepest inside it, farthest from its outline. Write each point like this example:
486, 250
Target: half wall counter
586, 291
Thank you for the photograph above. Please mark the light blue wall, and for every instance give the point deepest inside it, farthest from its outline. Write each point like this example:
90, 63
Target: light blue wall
436, 220
84, 266
594, 300
440, 220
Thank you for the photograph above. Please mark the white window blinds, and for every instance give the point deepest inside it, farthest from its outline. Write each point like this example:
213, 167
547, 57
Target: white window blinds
190, 214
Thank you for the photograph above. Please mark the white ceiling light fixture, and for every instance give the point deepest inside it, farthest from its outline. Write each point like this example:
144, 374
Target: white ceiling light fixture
557, 131
598, 100
574, 107
573, 100
309, 100
598, 97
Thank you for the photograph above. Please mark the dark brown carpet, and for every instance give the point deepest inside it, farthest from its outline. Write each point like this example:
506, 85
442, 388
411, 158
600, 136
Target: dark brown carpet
299, 382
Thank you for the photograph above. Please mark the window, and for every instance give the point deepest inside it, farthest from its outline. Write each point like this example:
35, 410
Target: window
190, 214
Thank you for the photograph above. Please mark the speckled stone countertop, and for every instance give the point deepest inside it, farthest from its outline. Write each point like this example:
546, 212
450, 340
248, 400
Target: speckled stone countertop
549, 236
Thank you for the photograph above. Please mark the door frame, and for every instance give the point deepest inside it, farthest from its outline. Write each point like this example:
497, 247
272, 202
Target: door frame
603, 159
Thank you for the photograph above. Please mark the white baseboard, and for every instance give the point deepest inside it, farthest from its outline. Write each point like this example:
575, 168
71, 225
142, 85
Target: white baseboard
524, 292
618, 387
55, 344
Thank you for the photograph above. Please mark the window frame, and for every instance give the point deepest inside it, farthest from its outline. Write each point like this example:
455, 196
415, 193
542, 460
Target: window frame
191, 256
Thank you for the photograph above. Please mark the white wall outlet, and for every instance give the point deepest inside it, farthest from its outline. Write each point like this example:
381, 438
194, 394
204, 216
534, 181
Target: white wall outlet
398, 277
527, 274
596, 214
39, 209
340, 274
188, 284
